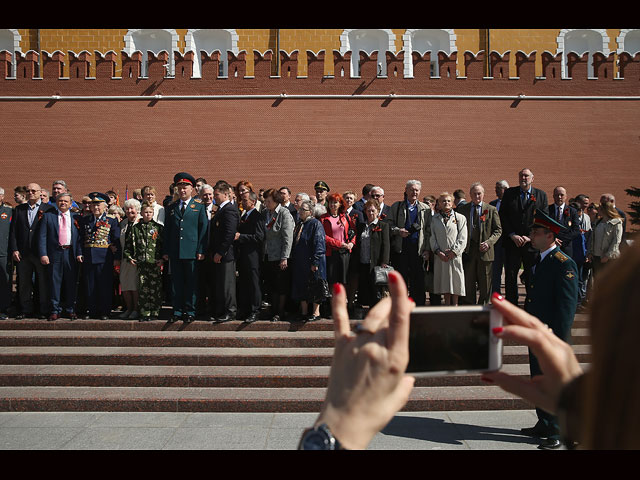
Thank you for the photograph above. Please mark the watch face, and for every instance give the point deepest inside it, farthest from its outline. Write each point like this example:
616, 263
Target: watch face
317, 440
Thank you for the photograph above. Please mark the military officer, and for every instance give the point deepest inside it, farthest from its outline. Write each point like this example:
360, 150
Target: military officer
184, 244
552, 297
100, 252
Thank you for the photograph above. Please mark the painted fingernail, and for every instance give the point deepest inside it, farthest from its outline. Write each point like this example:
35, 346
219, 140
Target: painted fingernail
412, 300
497, 330
497, 296
392, 278
337, 288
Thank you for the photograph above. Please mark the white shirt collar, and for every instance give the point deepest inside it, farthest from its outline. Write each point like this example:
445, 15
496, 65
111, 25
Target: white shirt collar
546, 252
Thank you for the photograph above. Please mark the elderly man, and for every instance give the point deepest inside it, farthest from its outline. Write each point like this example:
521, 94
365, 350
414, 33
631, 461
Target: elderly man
23, 245
377, 193
517, 209
567, 216
58, 187
498, 251
5, 279
60, 248
184, 244
483, 231
101, 250
410, 222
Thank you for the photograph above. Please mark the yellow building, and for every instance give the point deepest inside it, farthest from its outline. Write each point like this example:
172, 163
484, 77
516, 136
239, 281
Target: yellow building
606, 41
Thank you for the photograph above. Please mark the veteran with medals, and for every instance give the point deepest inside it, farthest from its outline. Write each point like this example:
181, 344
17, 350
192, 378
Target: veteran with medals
185, 232
101, 250
552, 297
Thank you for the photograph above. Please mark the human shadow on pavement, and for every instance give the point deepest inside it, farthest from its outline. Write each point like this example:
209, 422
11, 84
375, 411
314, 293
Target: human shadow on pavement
440, 431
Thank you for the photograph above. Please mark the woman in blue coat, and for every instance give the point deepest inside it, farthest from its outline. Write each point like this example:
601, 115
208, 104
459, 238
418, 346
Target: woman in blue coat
308, 261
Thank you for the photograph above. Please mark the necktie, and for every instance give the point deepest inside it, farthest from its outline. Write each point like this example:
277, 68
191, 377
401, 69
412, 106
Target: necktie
559, 214
183, 208
62, 233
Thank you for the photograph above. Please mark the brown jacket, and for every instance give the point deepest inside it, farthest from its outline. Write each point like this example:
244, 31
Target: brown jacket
490, 227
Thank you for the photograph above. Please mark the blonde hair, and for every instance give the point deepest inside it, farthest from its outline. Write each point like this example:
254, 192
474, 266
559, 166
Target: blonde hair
609, 210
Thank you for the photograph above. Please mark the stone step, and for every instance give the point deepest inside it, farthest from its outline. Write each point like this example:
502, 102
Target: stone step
203, 355
189, 399
198, 338
203, 376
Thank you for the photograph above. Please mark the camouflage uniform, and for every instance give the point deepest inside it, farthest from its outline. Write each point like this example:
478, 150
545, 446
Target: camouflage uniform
144, 245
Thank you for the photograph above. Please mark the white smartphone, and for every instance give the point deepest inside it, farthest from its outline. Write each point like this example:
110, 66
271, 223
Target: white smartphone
447, 339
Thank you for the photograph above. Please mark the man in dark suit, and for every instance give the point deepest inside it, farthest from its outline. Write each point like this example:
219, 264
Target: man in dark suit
286, 200
567, 216
101, 250
377, 193
185, 232
59, 246
224, 226
483, 231
498, 250
366, 196
248, 245
23, 243
552, 298
516, 215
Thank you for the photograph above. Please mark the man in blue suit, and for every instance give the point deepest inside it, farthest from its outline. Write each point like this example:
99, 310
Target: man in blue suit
60, 248
100, 252
185, 233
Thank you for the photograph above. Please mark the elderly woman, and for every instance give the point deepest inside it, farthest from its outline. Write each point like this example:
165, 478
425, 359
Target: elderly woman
448, 241
308, 261
340, 237
277, 250
129, 272
372, 250
149, 194
604, 244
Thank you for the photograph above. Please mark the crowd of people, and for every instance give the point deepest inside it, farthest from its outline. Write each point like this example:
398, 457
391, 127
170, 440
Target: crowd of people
223, 252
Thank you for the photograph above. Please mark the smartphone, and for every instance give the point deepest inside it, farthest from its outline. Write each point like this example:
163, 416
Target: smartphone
448, 339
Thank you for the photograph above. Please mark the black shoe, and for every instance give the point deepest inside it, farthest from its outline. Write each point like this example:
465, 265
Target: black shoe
20, 316
313, 318
251, 318
275, 318
225, 318
551, 443
4, 316
188, 319
538, 431
175, 318
104, 317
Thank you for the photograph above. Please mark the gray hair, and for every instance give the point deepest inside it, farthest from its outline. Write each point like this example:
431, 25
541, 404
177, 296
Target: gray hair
476, 184
205, 186
60, 182
503, 183
132, 202
413, 182
304, 196
378, 188
64, 194
319, 210
309, 204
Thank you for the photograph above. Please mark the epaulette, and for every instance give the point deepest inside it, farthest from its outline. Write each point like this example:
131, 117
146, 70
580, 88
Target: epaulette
561, 256
198, 200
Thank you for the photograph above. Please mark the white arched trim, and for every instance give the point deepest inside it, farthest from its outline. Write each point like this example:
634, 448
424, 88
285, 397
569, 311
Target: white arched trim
190, 46
561, 44
407, 40
345, 45
15, 48
130, 47
620, 40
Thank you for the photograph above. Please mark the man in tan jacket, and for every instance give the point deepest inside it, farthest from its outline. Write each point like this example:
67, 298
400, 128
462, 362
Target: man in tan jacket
484, 230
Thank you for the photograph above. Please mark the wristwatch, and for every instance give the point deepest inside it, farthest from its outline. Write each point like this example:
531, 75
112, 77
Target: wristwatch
319, 438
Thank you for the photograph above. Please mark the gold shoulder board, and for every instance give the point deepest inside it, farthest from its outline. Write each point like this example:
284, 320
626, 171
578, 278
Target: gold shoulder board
561, 256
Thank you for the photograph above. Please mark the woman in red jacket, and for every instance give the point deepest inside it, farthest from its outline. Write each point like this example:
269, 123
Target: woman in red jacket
340, 237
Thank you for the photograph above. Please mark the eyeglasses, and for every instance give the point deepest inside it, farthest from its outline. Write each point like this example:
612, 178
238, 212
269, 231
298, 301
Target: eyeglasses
377, 195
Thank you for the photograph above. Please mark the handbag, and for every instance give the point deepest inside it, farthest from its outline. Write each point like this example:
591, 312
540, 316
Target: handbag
381, 275
317, 288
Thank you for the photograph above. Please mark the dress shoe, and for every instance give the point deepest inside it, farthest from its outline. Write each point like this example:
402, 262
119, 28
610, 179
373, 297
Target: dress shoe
188, 319
20, 316
538, 431
313, 318
133, 315
104, 317
551, 443
125, 314
251, 318
53, 317
144, 318
175, 318
225, 318
4, 316
275, 318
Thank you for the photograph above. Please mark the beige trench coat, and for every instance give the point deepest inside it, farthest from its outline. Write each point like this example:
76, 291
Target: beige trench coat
449, 276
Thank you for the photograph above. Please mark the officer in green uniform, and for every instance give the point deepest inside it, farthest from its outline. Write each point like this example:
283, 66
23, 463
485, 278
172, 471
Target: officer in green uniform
185, 230
552, 297
143, 248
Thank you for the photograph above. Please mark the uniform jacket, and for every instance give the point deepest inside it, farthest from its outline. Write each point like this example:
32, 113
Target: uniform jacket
22, 237
185, 234
144, 242
490, 227
397, 219
333, 244
97, 236
224, 225
571, 223
553, 293
48, 240
278, 234
516, 216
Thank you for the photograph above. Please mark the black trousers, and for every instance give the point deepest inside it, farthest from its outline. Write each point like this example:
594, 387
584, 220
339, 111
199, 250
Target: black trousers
411, 266
28, 290
206, 292
5, 285
225, 278
514, 258
249, 291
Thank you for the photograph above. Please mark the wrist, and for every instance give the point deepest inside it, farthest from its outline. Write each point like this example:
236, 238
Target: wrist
351, 433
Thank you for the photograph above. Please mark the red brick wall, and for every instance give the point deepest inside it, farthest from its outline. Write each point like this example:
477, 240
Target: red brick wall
589, 146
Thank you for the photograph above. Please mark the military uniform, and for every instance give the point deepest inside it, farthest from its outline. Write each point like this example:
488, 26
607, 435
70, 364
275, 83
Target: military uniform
552, 297
100, 237
184, 239
144, 245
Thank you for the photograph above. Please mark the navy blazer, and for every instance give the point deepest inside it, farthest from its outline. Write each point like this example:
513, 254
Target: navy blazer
571, 224
224, 225
22, 237
48, 237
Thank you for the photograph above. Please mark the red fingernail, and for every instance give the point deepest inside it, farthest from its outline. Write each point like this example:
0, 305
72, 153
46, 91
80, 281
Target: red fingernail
412, 300
497, 296
392, 278
496, 330
337, 288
